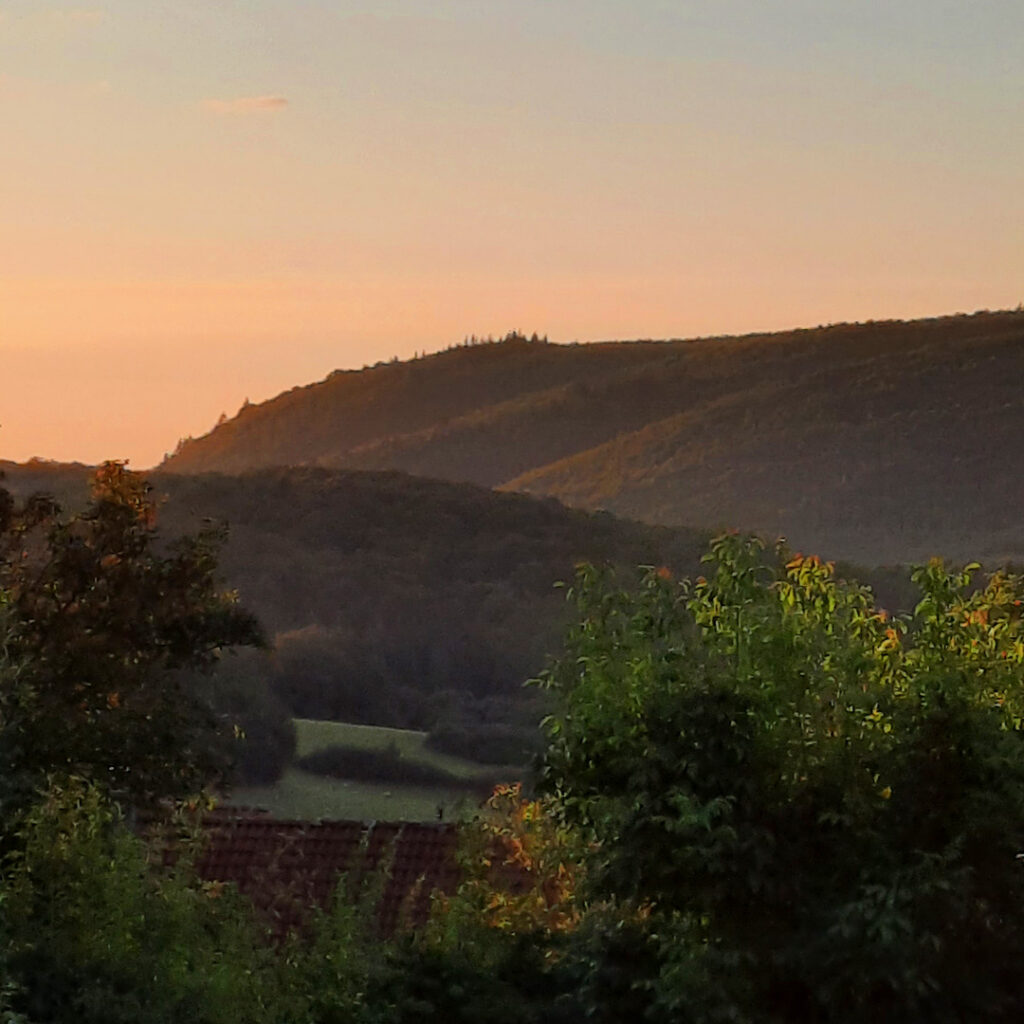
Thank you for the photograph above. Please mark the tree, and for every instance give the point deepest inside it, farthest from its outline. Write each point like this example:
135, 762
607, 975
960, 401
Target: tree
107, 621
804, 808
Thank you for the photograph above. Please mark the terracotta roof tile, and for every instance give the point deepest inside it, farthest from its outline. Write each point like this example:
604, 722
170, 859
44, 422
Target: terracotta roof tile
286, 866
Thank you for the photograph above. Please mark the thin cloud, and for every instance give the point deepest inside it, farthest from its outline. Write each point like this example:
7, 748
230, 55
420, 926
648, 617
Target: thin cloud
246, 105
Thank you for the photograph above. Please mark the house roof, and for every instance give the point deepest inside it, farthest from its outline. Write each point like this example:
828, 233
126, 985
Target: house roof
285, 867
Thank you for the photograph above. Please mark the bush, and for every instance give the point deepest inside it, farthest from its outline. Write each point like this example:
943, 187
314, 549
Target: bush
95, 929
260, 726
96, 932
485, 742
804, 809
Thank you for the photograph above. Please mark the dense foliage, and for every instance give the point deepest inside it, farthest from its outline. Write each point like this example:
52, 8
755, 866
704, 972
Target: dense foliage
500, 742
816, 810
382, 589
239, 690
97, 929
764, 800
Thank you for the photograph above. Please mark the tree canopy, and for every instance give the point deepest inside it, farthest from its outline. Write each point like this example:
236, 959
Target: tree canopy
804, 808
105, 623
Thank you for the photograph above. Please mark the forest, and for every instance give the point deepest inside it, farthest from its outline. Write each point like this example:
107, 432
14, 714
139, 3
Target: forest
387, 599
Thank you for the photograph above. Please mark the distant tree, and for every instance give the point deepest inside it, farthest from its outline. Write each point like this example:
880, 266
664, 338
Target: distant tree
261, 726
105, 624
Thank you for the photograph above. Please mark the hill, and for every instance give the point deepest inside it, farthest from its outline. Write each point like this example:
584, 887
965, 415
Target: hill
354, 410
850, 439
876, 446
393, 600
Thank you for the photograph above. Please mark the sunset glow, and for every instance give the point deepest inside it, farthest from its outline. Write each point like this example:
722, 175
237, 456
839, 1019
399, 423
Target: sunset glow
204, 202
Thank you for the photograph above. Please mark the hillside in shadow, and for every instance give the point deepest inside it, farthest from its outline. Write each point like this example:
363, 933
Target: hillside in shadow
391, 599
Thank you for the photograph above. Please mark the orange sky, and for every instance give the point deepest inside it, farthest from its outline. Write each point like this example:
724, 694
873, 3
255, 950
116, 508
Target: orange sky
202, 203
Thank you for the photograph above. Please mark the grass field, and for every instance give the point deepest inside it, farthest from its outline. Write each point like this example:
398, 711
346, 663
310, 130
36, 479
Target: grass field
305, 796
313, 736
308, 797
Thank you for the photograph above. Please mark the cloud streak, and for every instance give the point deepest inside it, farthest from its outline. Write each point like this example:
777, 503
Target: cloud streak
246, 105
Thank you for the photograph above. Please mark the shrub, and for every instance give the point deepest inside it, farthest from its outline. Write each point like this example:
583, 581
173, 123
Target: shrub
485, 742
261, 724
96, 932
816, 811
96, 929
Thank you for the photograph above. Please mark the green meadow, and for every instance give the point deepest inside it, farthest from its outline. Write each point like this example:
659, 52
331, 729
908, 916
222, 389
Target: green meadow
303, 795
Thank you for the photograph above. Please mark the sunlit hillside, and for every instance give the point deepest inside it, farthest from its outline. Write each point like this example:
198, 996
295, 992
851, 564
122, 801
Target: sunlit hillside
880, 445
324, 423
878, 442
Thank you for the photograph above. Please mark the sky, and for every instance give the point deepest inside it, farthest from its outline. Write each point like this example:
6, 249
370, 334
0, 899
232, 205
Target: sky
208, 201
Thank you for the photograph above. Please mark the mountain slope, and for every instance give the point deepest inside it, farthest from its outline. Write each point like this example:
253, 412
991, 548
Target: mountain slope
847, 439
867, 458
321, 423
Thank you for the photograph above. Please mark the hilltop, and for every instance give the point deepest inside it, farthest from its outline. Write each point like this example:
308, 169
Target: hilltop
345, 416
876, 442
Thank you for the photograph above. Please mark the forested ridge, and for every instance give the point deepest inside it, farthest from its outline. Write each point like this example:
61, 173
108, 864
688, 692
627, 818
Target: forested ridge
351, 410
847, 439
398, 600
